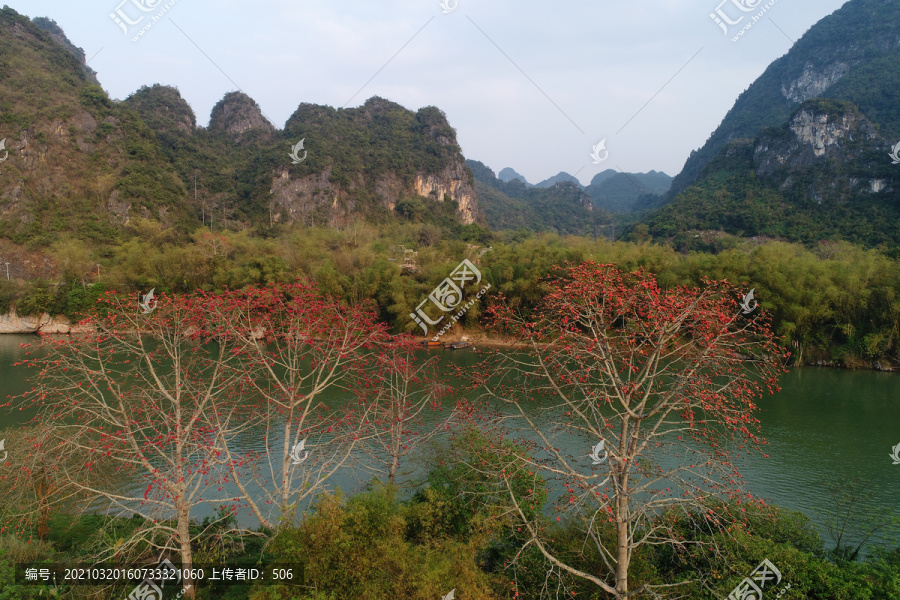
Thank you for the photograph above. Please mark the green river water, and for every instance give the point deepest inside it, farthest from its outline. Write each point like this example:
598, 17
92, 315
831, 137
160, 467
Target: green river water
825, 424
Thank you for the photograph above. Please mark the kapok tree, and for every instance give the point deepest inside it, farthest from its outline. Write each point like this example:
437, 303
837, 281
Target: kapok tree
144, 399
634, 400
299, 349
400, 406
31, 485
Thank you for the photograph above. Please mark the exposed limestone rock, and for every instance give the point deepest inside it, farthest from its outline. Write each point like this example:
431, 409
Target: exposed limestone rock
453, 182
118, 209
822, 133
237, 114
13, 323
312, 200
812, 83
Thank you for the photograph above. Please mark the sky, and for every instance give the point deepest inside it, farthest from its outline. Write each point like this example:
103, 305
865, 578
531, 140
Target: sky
535, 86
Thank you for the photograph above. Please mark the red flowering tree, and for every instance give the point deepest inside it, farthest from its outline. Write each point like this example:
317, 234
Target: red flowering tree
400, 406
635, 400
303, 354
144, 400
31, 483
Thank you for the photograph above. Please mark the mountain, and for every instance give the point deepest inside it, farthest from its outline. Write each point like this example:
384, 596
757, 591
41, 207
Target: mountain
81, 164
562, 204
375, 159
825, 174
561, 177
508, 174
562, 208
852, 54
77, 162
55, 31
804, 153
626, 193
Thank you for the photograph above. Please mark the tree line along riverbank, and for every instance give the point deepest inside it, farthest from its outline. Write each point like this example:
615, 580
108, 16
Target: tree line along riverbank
834, 304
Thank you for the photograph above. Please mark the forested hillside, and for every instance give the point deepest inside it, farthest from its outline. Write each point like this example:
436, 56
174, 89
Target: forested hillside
850, 55
82, 165
561, 207
826, 174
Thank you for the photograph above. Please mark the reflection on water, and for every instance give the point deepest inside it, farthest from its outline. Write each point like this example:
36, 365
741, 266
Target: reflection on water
824, 426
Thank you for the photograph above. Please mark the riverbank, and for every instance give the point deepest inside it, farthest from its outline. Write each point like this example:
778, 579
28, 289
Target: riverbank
482, 339
14, 324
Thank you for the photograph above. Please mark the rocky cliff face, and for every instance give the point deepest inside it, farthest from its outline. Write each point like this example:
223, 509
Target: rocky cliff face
317, 200
365, 160
826, 173
825, 152
851, 55
453, 182
237, 114
813, 82
311, 200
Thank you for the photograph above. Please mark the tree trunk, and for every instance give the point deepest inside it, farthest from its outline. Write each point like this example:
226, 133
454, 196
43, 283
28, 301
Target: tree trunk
392, 472
622, 541
43, 494
184, 540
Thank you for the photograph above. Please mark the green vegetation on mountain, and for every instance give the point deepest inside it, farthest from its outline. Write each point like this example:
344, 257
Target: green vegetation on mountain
849, 55
75, 158
619, 192
779, 186
82, 165
133, 196
512, 205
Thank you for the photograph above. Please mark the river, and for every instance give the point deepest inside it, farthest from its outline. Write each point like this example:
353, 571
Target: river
826, 425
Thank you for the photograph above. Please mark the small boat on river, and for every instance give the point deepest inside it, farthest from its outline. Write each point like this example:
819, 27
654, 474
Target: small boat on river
463, 343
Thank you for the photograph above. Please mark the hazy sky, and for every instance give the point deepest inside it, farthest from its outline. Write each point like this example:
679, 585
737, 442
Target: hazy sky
531, 85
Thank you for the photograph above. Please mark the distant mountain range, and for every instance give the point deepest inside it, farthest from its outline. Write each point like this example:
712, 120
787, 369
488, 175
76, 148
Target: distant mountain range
561, 203
804, 153
563, 208
610, 190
